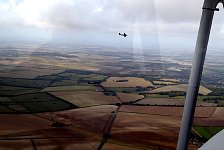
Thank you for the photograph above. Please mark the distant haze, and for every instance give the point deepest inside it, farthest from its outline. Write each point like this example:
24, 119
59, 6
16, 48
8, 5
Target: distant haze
155, 24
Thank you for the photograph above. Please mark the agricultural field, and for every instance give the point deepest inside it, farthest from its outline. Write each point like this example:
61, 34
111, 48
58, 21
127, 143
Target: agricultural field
160, 101
25, 144
200, 112
165, 101
93, 119
139, 128
65, 82
219, 113
123, 89
62, 63
27, 83
94, 77
13, 90
163, 83
109, 69
32, 66
81, 97
86, 98
17, 108
28, 72
206, 124
36, 97
21, 124
70, 88
72, 78
115, 145
168, 80
47, 106
128, 97
207, 131
147, 131
67, 143
85, 75
174, 69
180, 87
126, 82
39, 134
156, 96
33, 103
5, 99
4, 109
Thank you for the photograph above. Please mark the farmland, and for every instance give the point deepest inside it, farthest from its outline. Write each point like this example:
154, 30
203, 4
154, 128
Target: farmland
164, 100
126, 82
160, 101
82, 123
164, 82
127, 97
112, 145
180, 87
84, 118
137, 128
40, 134
169, 80
69, 88
27, 83
86, 98
27, 72
33, 103
200, 112
14, 90
90, 98
207, 131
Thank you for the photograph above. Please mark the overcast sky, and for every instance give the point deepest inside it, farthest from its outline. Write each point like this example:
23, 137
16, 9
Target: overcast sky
149, 23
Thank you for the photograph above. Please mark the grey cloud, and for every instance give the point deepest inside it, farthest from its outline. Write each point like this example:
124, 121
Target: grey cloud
108, 15
177, 15
179, 10
168, 17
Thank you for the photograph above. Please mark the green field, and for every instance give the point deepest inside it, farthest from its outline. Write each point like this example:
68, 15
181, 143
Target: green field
72, 78
156, 96
37, 97
56, 105
33, 103
94, 77
27, 83
70, 88
84, 76
11, 90
73, 75
200, 98
64, 83
206, 131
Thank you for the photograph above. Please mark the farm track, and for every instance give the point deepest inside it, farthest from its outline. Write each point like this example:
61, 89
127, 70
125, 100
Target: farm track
108, 129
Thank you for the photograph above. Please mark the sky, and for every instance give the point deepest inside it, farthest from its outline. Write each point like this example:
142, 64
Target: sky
155, 24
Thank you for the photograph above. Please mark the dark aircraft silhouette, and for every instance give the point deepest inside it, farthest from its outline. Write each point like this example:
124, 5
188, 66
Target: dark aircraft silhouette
124, 35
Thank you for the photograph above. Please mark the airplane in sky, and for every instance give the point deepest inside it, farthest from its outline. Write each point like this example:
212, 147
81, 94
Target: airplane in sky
124, 35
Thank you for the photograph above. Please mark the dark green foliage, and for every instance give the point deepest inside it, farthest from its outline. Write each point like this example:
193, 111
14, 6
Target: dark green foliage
34, 103
207, 131
122, 80
173, 93
27, 83
217, 92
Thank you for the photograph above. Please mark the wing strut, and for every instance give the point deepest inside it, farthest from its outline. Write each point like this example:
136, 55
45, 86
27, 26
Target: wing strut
196, 72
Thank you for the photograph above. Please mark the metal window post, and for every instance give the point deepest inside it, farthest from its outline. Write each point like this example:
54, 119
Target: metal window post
196, 72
